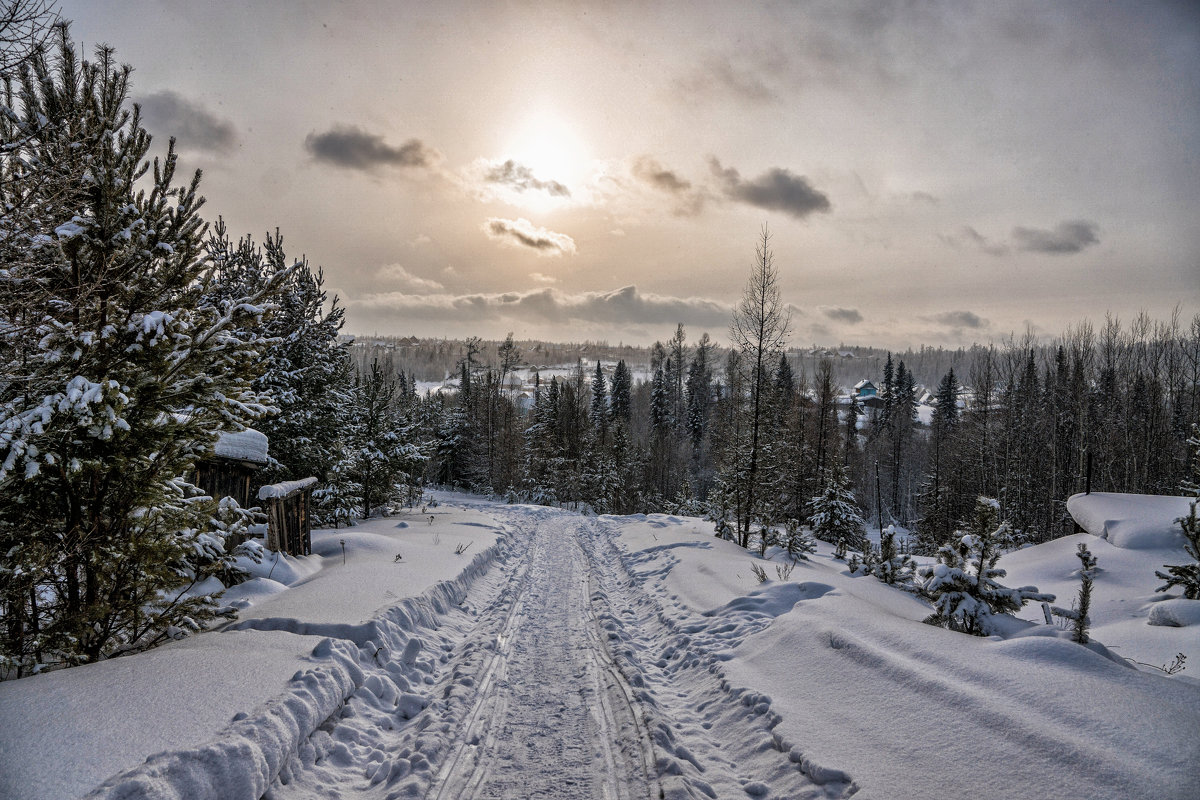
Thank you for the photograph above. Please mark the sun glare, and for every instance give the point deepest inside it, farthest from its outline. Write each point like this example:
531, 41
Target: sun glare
553, 152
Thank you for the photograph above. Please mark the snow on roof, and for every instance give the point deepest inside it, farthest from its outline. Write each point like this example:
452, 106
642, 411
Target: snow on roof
863, 383
279, 490
246, 445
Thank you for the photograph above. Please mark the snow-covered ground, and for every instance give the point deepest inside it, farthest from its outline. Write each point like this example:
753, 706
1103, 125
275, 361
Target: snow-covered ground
570, 656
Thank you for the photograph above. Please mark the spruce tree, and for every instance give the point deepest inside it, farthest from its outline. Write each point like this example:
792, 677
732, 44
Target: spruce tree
834, 515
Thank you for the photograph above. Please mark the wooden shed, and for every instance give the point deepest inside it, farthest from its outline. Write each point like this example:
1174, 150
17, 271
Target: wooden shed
236, 457
289, 526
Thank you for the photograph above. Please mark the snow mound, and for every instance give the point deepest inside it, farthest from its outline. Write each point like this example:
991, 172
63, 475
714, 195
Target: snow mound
1175, 613
1132, 521
247, 445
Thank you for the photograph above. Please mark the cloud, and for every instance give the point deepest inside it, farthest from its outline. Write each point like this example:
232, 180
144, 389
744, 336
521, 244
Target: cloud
540, 278
354, 148
624, 306
689, 200
523, 233
521, 178
400, 276
777, 189
968, 236
850, 315
649, 171
191, 123
719, 75
1069, 237
958, 319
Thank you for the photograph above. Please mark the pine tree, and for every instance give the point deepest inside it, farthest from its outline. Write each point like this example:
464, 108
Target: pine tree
307, 372
1187, 576
963, 586
129, 366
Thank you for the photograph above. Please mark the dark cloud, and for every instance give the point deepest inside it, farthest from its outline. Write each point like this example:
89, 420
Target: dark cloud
624, 306
850, 315
521, 178
193, 125
650, 171
1069, 237
958, 319
354, 148
777, 189
523, 233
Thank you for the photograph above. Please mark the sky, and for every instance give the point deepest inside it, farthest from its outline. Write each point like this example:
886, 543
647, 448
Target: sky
935, 173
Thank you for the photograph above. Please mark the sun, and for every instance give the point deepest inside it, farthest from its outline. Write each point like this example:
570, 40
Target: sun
554, 153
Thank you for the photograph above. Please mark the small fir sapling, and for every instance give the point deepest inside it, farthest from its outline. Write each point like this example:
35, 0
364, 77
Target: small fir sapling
963, 586
891, 566
839, 551
1079, 614
797, 542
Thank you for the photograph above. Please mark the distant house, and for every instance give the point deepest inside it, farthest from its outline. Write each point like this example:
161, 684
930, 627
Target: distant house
236, 457
865, 388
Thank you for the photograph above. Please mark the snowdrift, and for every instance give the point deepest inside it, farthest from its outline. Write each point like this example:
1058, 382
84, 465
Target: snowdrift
1132, 521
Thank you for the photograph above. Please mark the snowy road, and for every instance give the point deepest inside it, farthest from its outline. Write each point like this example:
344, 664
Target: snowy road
553, 716
559, 676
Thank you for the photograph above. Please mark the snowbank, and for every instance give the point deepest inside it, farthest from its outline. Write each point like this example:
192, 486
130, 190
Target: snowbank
863, 690
1175, 613
1132, 521
222, 710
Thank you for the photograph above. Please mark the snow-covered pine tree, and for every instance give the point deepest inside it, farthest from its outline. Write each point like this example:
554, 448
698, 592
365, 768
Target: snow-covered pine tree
381, 448
834, 514
963, 585
1187, 576
121, 368
938, 504
307, 374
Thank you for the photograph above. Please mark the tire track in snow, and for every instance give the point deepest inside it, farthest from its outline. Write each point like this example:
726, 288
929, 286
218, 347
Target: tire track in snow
554, 716
715, 740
